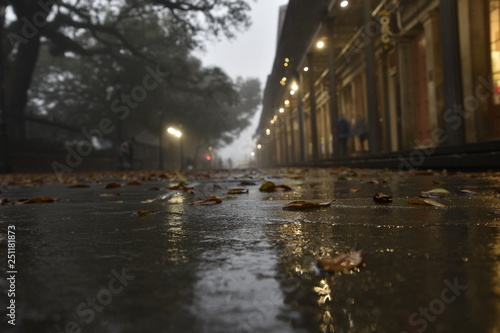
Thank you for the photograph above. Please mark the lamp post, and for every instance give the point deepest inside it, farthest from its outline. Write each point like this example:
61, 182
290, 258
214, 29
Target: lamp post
177, 133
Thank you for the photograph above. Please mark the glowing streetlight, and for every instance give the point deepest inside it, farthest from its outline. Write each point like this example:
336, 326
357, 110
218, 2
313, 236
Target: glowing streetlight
320, 44
281, 110
344, 4
295, 87
287, 102
268, 131
306, 69
259, 146
174, 132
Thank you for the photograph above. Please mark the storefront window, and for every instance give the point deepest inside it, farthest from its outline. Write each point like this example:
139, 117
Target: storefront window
495, 47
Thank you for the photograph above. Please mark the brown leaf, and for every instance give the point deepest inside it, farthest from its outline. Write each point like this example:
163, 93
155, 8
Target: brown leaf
427, 202
4, 201
497, 193
342, 262
438, 182
371, 181
39, 200
182, 187
79, 186
302, 205
211, 199
271, 187
238, 191
113, 185
146, 212
133, 182
382, 198
155, 188
354, 190
467, 192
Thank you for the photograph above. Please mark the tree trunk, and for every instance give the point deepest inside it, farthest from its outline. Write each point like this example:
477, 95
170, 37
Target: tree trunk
19, 72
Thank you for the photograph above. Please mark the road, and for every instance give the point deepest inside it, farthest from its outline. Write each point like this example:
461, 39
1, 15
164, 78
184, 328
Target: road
90, 263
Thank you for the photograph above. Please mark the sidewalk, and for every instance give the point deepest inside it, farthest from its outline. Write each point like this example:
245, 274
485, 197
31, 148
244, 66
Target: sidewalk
145, 258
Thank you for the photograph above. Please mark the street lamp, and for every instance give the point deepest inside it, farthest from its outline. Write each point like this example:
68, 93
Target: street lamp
175, 132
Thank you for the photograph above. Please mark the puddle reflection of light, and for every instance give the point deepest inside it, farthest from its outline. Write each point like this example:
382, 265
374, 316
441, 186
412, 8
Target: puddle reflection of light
324, 291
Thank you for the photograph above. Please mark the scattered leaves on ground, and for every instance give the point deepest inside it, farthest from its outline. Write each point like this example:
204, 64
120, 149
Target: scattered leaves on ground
382, 198
146, 212
436, 192
426, 202
39, 200
238, 191
303, 205
467, 192
271, 187
342, 262
112, 185
210, 200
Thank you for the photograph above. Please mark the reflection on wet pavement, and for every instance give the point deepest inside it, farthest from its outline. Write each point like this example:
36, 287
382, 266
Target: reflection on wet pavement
247, 265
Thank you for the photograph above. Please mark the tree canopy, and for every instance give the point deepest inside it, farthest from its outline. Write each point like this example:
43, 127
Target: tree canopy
75, 61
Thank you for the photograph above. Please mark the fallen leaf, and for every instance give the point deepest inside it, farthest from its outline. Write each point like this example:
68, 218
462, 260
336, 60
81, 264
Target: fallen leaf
4, 201
301, 205
182, 187
354, 190
371, 181
342, 262
133, 182
146, 212
438, 182
39, 200
382, 198
114, 194
427, 202
271, 187
467, 192
437, 191
497, 193
210, 199
79, 186
238, 191
113, 185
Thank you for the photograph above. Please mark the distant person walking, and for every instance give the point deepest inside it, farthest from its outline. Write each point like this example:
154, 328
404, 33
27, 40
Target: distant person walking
360, 131
344, 134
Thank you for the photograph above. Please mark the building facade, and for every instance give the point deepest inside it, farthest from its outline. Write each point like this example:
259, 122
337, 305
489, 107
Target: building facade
405, 75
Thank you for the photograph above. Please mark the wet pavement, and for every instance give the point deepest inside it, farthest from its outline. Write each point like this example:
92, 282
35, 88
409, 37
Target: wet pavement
89, 263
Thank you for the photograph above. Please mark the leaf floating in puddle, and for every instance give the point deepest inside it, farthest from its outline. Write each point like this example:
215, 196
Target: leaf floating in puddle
40, 200
382, 198
426, 202
467, 192
238, 191
342, 262
79, 186
210, 200
271, 187
146, 212
301, 205
113, 185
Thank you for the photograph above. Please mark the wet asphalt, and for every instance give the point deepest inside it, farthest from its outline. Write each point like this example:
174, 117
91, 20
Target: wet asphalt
90, 263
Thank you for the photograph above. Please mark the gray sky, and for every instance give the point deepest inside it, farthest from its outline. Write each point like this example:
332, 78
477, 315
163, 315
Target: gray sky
251, 54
